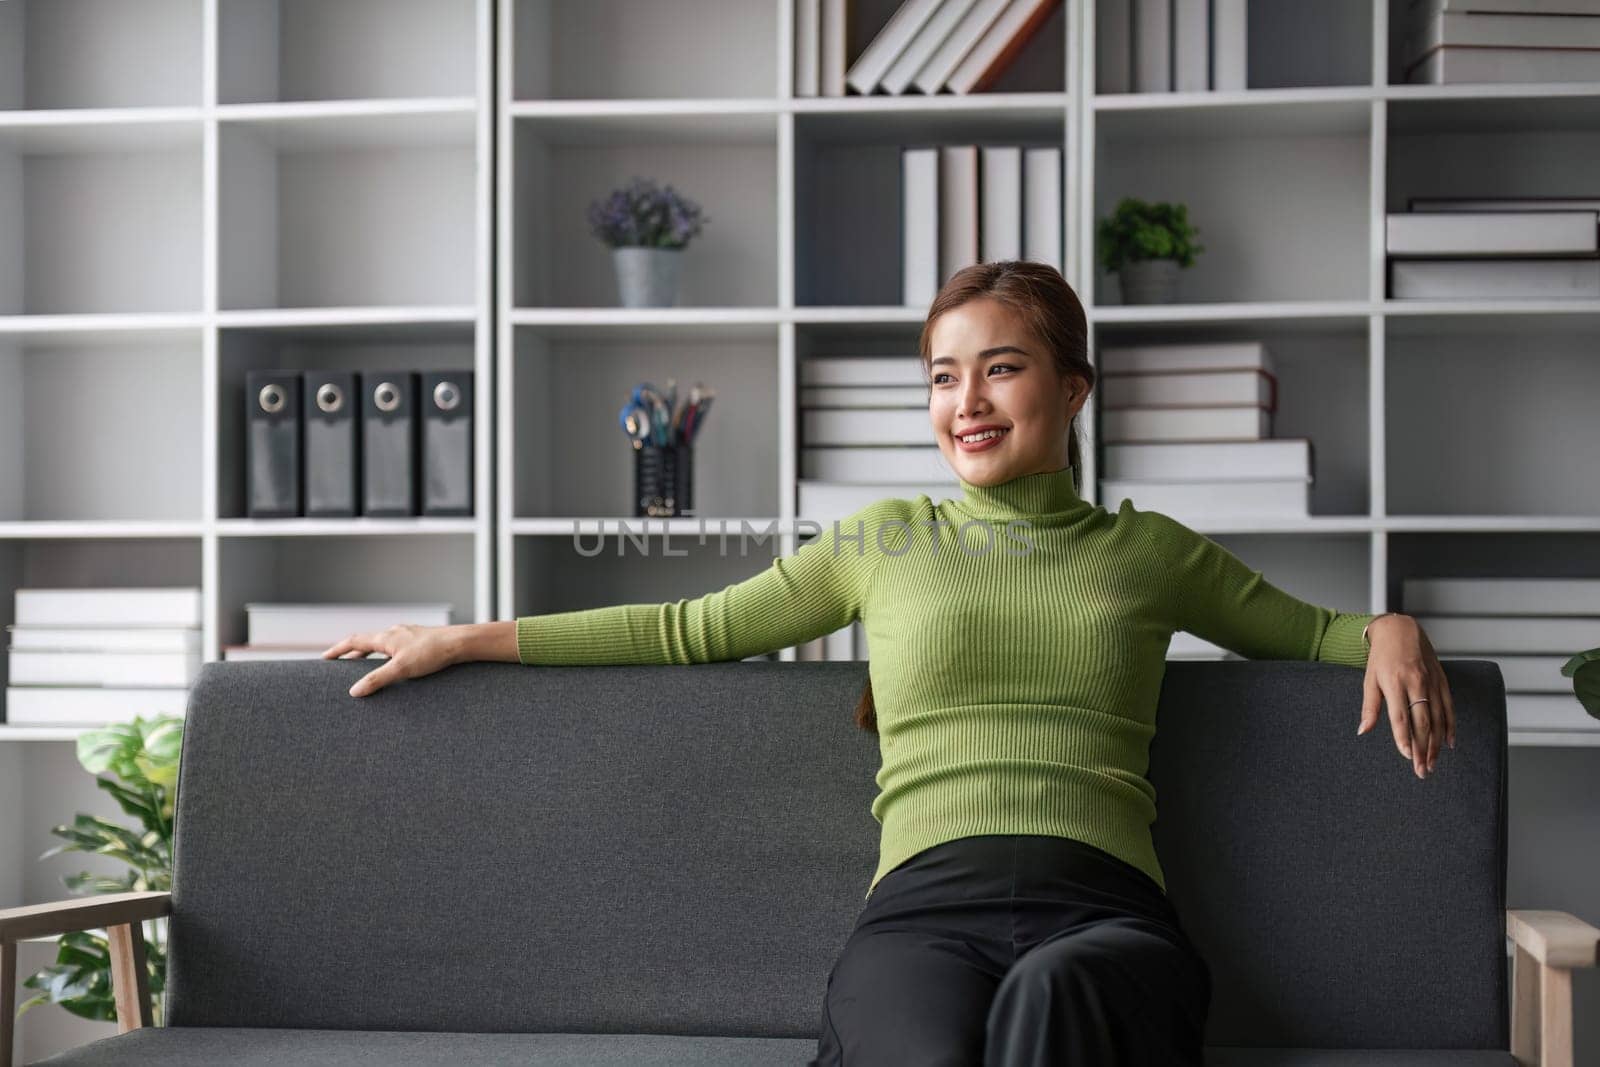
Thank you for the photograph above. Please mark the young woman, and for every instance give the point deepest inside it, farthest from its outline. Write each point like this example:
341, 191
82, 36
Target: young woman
1018, 914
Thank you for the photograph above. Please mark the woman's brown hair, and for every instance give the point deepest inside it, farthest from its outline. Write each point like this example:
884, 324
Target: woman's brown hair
1041, 296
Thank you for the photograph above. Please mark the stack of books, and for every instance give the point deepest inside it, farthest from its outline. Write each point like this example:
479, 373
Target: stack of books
1161, 46
964, 204
1495, 248
1186, 430
959, 46
305, 631
88, 657
1448, 42
1529, 626
865, 435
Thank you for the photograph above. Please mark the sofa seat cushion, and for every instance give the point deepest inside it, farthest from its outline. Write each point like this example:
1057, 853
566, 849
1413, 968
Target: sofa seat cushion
186, 1046
1357, 1057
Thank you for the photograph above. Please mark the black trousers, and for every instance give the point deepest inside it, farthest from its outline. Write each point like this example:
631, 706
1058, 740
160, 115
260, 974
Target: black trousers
1015, 950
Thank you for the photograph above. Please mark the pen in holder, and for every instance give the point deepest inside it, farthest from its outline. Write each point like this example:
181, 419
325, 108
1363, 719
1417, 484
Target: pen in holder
663, 480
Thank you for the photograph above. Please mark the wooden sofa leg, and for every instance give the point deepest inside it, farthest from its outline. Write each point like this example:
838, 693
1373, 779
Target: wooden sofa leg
1541, 1012
130, 976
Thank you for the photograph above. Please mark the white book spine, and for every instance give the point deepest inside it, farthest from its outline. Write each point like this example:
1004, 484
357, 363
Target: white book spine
807, 47
1525, 7
1224, 389
1149, 359
1000, 231
1113, 55
1464, 635
1456, 28
875, 60
1191, 45
825, 502
920, 225
1194, 501
265, 627
1508, 233
70, 706
965, 78
1041, 214
1507, 203
1152, 46
108, 607
864, 426
835, 45
866, 396
104, 639
1185, 424
922, 47
104, 668
968, 32
1460, 66
1283, 458
1502, 279
1534, 674
958, 208
1230, 51
867, 466
1502, 596
1548, 711
862, 370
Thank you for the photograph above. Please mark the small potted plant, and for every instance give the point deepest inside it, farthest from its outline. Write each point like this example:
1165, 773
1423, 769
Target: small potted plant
647, 227
1145, 245
1584, 670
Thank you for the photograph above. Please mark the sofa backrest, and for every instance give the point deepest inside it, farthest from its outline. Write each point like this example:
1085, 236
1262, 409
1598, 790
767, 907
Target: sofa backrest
684, 850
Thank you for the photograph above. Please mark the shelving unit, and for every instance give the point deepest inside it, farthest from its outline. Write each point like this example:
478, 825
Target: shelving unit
190, 189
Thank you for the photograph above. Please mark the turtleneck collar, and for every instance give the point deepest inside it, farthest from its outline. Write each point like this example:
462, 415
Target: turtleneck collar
1042, 493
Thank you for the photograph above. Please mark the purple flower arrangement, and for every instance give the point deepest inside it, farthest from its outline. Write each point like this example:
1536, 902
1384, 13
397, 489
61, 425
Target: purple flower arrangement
643, 214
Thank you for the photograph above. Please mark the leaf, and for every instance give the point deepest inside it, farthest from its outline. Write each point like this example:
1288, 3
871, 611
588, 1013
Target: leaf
141, 806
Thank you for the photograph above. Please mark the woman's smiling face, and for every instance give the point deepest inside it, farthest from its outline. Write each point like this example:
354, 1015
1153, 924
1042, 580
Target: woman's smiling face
988, 370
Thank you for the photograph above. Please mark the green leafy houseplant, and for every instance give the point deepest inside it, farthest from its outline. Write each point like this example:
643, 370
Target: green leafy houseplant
1584, 670
142, 759
1138, 231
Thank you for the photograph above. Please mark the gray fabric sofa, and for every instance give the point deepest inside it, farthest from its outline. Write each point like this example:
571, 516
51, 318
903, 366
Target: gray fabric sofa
640, 865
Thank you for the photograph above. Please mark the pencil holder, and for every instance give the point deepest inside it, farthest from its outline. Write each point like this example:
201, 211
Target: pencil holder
663, 481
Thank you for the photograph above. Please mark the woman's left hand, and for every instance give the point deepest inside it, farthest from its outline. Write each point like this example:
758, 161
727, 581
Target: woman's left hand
1403, 671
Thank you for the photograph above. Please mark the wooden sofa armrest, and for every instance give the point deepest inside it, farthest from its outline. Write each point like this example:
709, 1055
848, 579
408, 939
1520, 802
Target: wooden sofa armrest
121, 915
1549, 944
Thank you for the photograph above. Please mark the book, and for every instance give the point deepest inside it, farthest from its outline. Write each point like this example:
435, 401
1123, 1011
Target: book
1493, 233
865, 426
929, 37
104, 638
1159, 359
867, 465
1000, 182
1009, 34
835, 47
1185, 424
1548, 711
1041, 210
1505, 203
1220, 388
862, 370
919, 180
864, 396
958, 208
50, 705
1191, 46
1502, 596
1495, 634
807, 47
1493, 279
1451, 65
1525, 7
99, 668
967, 33
327, 624
1230, 45
1152, 46
1533, 674
875, 60
1214, 499
178, 606
1280, 458
277, 652
1501, 31
828, 502
1113, 51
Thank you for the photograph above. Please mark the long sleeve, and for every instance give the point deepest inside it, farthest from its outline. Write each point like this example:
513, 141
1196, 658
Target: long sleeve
1218, 598
815, 591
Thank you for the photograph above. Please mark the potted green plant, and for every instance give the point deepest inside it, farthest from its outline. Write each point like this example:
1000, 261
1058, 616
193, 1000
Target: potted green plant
647, 228
1584, 670
1145, 245
141, 759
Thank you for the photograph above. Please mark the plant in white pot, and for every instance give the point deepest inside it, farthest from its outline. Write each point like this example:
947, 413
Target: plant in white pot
1145, 245
647, 228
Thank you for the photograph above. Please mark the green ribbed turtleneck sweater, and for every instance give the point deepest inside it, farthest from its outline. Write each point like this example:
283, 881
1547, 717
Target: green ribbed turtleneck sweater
1015, 687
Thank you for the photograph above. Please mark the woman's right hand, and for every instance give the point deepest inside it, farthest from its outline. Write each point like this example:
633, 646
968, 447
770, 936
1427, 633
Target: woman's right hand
413, 651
